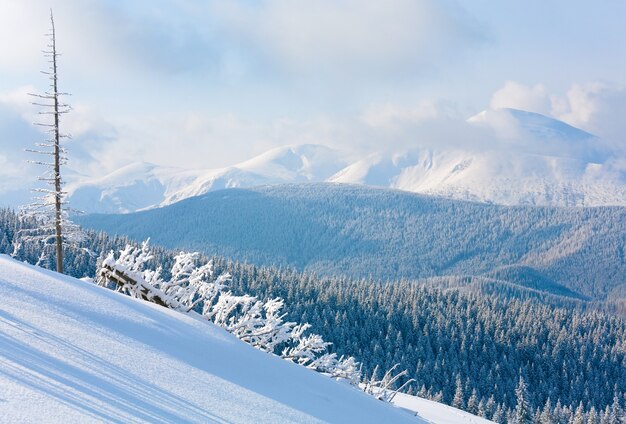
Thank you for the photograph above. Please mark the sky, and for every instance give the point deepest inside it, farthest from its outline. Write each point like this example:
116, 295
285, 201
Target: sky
205, 84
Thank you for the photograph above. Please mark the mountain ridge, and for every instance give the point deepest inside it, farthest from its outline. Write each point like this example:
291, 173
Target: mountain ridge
364, 232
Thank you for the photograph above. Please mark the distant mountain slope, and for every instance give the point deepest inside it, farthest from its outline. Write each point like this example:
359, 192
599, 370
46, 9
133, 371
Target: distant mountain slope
492, 176
142, 185
510, 157
74, 352
389, 234
290, 164
133, 187
544, 128
530, 159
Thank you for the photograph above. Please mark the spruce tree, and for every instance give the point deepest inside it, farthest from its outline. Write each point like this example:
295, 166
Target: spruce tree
522, 409
459, 396
472, 403
546, 413
579, 415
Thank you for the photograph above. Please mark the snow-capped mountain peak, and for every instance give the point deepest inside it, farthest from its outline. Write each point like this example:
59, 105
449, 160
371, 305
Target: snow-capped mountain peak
530, 123
142, 185
293, 163
525, 158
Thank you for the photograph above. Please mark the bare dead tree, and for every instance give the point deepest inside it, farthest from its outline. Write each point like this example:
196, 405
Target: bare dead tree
48, 206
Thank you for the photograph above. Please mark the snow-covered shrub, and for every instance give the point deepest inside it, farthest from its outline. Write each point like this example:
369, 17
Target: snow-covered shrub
343, 367
197, 289
383, 389
192, 286
125, 273
305, 351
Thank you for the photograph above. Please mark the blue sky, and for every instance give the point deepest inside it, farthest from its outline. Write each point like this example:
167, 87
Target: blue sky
210, 83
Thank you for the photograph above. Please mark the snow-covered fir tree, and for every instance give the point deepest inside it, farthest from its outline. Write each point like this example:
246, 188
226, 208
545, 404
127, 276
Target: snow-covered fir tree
523, 413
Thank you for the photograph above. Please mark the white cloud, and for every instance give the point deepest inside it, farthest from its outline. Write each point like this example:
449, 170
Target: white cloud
597, 107
19, 102
503, 126
518, 96
323, 38
351, 37
16, 134
389, 115
15, 16
106, 39
195, 140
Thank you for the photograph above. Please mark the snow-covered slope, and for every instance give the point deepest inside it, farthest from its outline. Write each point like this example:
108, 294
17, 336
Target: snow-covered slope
142, 185
74, 352
433, 412
134, 187
298, 163
526, 158
501, 177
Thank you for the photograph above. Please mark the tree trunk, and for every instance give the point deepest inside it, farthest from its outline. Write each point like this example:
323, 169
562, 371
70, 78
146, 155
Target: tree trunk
57, 157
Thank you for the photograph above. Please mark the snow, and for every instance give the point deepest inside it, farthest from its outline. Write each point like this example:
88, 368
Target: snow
530, 159
433, 412
288, 164
496, 176
74, 352
133, 187
542, 126
141, 185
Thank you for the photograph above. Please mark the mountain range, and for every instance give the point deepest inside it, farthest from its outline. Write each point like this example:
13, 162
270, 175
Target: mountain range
519, 158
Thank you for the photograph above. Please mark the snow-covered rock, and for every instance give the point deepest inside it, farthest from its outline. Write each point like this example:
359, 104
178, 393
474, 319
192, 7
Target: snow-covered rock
71, 351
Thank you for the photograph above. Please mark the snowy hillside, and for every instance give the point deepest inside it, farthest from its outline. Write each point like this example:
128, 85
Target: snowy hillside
335, 229
133, 187
141, 185
75, 352
433, 412
529, 159
523, 158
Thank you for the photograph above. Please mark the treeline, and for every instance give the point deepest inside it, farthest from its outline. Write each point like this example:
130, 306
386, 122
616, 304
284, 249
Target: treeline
463, 347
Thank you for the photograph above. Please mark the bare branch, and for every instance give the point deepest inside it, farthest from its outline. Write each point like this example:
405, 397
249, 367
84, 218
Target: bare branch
41, 96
